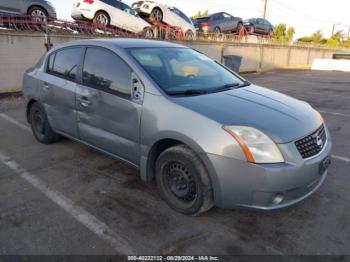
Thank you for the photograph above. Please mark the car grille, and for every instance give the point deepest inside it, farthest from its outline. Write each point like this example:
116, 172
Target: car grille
312, 144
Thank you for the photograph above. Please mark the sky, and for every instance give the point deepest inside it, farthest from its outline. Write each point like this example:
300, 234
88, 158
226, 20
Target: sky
306, 16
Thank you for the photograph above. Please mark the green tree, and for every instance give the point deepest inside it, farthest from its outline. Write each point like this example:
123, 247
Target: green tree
290, 34
316, 38
200, 14
282, 33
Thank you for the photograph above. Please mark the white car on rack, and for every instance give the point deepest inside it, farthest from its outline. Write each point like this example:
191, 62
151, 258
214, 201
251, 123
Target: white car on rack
109, 12
166, 14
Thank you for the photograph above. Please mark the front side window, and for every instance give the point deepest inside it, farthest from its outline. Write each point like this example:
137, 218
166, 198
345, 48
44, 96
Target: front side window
64, 63
106, 71
178, 70
226, 16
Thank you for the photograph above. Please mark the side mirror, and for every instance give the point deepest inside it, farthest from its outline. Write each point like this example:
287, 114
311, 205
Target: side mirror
137, 89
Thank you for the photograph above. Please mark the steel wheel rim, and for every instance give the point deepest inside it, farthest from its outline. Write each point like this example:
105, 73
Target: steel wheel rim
180, 182
102, 19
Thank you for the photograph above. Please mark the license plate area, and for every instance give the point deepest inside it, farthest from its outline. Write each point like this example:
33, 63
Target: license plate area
323, 166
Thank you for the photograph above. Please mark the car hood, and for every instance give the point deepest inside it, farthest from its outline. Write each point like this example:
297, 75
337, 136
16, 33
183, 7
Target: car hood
281, 117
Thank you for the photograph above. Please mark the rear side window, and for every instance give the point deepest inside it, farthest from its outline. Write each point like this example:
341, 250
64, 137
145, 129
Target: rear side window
64, 63
106, 71
110, 2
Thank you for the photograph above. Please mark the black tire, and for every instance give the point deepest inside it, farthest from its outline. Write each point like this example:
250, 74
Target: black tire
239, 27
183, 181
40, 125
217, 30
189, 35
102, 18
157, 14
37, 11
148, 32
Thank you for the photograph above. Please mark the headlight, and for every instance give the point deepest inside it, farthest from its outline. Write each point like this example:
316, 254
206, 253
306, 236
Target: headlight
257, 147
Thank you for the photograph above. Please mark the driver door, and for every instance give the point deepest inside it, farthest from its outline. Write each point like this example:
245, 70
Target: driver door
108, 117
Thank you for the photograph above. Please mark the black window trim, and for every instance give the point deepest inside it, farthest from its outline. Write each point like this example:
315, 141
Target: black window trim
48, 71
106, 90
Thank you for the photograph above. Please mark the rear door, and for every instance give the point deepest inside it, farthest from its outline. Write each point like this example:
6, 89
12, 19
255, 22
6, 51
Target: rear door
58, 87
11, 6
107, 117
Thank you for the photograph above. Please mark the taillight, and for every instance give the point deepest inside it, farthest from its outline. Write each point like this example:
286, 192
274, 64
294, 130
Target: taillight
88, 1
205, 27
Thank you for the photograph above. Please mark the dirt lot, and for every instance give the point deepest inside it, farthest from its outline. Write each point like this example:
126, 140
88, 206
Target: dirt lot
69, 199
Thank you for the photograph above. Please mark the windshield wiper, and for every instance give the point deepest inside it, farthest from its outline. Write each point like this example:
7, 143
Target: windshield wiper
188, 92
229, 87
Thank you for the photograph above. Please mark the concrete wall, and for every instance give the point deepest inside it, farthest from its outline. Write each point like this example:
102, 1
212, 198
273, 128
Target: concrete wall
19, 51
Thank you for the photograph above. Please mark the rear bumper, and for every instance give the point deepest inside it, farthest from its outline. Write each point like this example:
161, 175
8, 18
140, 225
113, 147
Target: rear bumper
82, 14
267, 186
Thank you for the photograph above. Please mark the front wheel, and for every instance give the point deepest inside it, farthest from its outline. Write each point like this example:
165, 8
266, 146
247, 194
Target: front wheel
183, 181
40, 125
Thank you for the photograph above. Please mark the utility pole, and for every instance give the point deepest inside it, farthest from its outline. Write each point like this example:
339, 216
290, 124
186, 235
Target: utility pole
333, 29
265, 8
349, 33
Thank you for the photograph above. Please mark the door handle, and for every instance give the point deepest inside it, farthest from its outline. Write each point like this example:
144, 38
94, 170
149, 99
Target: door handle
84, 101
45, 86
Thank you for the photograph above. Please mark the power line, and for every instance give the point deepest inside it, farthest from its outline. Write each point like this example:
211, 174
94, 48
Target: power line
291, 10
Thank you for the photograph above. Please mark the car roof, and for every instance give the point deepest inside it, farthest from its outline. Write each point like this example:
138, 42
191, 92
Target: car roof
122, 43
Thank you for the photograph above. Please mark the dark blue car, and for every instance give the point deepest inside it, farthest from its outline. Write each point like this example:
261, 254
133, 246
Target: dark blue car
259, 26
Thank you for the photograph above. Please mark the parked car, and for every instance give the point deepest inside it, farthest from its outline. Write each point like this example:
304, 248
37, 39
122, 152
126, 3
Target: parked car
206, 135
109, 12
259, 26
28, 7
218, 23
165, 14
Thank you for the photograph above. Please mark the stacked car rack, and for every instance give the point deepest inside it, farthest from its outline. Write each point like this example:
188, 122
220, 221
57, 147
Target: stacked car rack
157, 30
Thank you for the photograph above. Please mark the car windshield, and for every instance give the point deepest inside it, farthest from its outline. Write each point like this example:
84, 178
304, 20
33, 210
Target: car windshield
184, 71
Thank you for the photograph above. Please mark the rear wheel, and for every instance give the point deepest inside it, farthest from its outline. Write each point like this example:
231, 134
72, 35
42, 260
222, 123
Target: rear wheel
239, 27
217, 30
189, 35
157, 14
37, 11
40, 125
183, 181
38, 14
101, 18
148, 32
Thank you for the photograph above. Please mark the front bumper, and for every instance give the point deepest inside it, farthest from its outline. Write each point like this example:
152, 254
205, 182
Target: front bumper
267, 186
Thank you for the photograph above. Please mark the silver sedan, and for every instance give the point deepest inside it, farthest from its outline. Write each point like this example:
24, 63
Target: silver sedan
42, 8
203, 133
